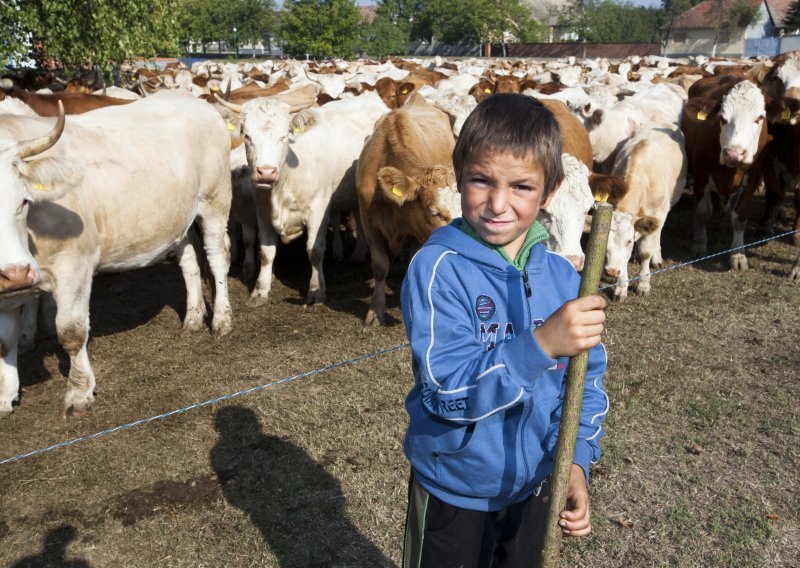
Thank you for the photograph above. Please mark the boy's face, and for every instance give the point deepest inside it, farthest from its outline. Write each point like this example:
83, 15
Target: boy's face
501, 196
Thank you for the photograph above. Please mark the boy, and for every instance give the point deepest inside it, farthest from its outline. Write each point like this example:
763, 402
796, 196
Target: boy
492, 319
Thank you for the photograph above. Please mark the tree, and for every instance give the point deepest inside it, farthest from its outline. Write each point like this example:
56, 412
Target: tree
210, 20
611, 22
792, 19
323, 28
389, 32
732, 16
84, 33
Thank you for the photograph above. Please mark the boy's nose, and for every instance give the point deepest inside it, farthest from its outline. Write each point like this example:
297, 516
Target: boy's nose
498, 201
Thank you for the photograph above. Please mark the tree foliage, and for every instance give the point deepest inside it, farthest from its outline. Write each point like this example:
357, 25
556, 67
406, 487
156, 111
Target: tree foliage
389, 32
792, 19
84, 33
480, 21
741, 13
322, 28
609, 21
212, 20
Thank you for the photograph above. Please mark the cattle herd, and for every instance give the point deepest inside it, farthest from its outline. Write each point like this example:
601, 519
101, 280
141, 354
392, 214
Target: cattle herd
185, 159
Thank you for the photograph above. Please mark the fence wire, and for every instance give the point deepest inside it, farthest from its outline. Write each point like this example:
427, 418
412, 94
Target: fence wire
339, 365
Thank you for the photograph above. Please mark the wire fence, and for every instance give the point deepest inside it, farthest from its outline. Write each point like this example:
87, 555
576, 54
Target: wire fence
341, 364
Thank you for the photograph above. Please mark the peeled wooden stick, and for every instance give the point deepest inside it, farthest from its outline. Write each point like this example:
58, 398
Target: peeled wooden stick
573, 397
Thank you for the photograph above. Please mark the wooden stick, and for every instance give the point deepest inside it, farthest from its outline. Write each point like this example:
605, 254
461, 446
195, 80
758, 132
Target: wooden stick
573, 397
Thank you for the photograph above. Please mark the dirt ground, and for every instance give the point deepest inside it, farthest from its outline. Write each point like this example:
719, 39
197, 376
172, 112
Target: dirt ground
700, 463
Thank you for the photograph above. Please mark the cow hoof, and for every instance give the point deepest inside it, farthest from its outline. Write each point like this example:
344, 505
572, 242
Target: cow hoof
796, 239
77, 404
642, 290
221, 329
620, 296
256, 300
372, 319
192, 325
739, 262
698, 252
315, 297
6, 408
794, 275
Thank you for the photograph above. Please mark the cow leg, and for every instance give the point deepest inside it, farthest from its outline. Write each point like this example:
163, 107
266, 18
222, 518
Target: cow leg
195, 305
796, 236
702, 213
217, 247
337, 248
620, 290
249, 236
647, 247
9, 375
72, 325
379, 252
30, 319
739, 221
315, 248
268, 242
794, 275
235, 232
361, 250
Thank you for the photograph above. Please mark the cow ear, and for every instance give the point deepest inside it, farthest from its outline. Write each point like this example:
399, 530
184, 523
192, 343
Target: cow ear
303, 121
406, 88
646, 225
50, 178
396, 186
597, 117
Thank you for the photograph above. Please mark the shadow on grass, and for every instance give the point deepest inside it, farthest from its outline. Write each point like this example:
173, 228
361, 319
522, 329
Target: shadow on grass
296, 505
54, 551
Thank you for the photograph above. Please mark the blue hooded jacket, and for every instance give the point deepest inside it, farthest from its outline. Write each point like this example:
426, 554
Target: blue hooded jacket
486, 403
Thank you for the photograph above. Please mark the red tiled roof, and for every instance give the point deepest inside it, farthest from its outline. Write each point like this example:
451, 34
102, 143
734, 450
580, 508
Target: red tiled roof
368, 13
706, 14
779, 9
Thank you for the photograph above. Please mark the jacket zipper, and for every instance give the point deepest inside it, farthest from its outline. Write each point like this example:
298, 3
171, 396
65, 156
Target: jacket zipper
527, 284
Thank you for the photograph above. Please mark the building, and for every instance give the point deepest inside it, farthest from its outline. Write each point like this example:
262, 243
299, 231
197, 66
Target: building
705, 30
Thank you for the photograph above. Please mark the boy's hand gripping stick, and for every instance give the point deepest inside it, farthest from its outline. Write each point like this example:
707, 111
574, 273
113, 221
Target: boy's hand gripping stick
573, 397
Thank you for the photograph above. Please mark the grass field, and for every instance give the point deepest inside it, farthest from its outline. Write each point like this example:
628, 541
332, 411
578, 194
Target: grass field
700, 464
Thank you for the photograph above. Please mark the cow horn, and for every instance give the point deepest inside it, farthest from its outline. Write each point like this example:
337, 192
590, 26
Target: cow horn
36, 146
229, 105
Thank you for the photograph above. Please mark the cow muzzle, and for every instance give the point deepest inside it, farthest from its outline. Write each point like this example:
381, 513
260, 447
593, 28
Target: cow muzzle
576, 261
612, 272
265, 176
735, 156
17, 277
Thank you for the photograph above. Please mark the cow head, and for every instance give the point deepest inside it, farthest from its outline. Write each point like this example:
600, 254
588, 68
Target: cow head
564, 216
23, 183
741, 118
784, 110
430, 199
787, 74
610, 128
623, 234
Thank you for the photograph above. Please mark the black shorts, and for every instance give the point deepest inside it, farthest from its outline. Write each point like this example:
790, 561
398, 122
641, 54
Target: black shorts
439, 535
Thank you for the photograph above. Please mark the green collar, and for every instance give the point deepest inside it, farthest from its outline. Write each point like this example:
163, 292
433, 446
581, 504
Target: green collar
536, 234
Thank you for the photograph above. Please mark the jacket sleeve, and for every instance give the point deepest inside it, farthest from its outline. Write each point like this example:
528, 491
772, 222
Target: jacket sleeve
593, 411
460, 381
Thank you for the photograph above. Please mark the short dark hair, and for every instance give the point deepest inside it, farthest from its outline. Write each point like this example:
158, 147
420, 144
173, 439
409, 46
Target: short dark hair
515, 123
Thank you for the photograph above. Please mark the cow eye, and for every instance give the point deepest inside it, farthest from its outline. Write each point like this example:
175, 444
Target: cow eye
722, 120
759, 120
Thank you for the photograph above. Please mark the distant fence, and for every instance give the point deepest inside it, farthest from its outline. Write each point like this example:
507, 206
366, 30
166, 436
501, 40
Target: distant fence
555, 50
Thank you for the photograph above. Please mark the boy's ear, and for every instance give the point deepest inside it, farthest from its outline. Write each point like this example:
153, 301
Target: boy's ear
546, 199
396, 186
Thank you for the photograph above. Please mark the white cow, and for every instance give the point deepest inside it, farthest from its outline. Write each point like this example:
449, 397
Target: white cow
112, 190
653, 163
303, 168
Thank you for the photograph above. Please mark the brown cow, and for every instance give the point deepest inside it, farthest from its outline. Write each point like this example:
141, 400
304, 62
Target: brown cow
725, 152
47, 105
403, 179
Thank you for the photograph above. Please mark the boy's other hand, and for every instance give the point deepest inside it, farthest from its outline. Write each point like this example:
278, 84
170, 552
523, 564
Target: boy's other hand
575, 519
574, 327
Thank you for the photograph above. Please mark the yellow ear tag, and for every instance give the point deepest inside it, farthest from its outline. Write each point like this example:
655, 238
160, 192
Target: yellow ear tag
786, 114
487, 91
702, 115
231, 127
298, 130
404, 92
396, 191
40, 187
601, 197
215, 88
